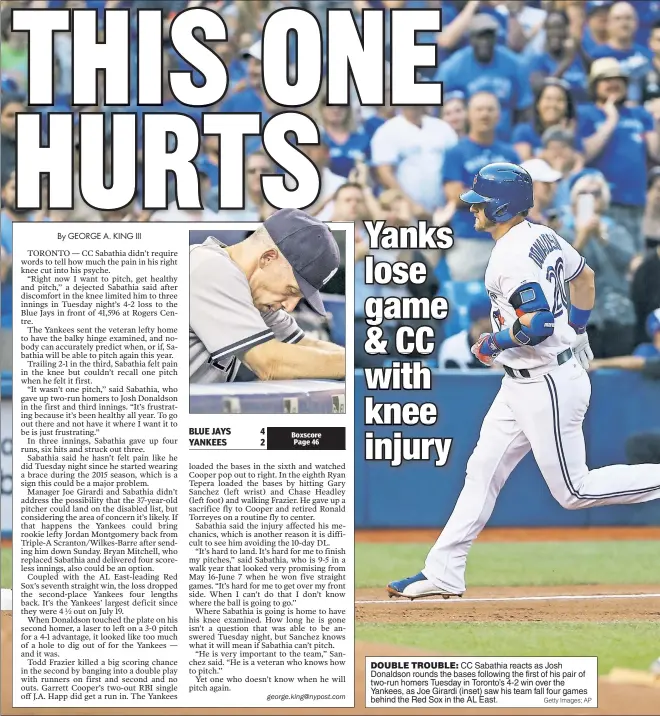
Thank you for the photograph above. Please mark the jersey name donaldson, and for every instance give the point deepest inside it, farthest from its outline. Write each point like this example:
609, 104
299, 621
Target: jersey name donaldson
531, 253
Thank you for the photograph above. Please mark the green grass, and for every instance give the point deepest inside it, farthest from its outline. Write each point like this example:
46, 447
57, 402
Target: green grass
512, 564
5, 567
631, 645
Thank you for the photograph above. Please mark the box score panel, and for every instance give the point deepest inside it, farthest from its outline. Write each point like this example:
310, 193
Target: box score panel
260, 437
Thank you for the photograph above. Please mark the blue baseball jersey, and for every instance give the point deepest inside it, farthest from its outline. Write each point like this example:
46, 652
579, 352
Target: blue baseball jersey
648, 12
506, 76
589, 44
343, 156
371, 124
623, 159
646, 350
245, 101
526, 132
575, 74
636, 61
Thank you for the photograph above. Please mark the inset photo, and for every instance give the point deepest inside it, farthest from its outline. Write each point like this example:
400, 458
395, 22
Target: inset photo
267, 324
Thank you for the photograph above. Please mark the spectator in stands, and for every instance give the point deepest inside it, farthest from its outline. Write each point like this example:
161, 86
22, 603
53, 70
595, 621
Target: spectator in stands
651, 225
455, 351
609, 249
648, 12
256, 165
395, 208
653, 108
319, 155
454, 112
468, 257
354, 202
616, 139
14, 62
211, 156
651, 349
485, 67
524, 26
408, 153
349, 203
553, 107
253, 15
12, 103
562, 58
651, 80
645, 290
545, 180
346, 141
560, 153
456, 20
381, 115
595, 33
248, 95
635, 59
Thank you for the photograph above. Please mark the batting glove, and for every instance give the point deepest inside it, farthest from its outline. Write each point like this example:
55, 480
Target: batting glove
486, 349
582, 350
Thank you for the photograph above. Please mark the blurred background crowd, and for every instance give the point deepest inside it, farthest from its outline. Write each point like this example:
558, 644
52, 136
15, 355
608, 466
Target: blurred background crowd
571, 89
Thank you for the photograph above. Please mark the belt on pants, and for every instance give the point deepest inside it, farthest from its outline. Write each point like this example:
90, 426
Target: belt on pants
525, 373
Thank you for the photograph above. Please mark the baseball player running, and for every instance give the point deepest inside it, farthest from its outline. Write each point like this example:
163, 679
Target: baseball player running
241, 297
539, 337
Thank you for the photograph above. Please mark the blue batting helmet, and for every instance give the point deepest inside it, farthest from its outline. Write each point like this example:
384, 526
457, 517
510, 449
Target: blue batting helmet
653, 323
505, 188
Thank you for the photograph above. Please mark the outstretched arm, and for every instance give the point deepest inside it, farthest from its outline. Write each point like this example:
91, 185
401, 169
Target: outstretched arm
274, 360
622, 362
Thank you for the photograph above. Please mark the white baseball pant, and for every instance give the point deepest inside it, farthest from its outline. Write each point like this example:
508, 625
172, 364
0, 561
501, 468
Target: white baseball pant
542, 413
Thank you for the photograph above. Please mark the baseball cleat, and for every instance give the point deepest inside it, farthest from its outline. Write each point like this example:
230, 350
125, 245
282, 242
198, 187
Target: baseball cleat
417, 586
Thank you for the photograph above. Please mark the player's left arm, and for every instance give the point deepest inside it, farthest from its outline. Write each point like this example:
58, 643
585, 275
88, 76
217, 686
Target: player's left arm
321, 345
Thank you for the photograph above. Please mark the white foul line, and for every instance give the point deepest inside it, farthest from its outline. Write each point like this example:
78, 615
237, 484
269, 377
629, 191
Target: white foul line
555, 597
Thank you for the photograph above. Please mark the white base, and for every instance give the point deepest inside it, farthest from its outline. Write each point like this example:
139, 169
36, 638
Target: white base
5, 601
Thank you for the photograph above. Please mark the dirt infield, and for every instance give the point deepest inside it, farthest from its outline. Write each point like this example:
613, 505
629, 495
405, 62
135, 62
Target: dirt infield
513, 604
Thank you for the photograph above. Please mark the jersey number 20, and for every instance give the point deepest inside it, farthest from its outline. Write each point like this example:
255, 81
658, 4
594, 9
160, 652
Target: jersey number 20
555, 275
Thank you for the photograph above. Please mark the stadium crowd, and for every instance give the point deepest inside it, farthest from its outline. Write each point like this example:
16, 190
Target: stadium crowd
569, 88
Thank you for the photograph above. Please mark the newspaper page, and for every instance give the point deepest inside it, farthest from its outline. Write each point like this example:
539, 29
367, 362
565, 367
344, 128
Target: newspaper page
322, 322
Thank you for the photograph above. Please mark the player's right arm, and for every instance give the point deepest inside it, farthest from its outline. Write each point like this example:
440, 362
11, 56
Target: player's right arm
583, 292
274, 360
534, 324
520, 281
582, 287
